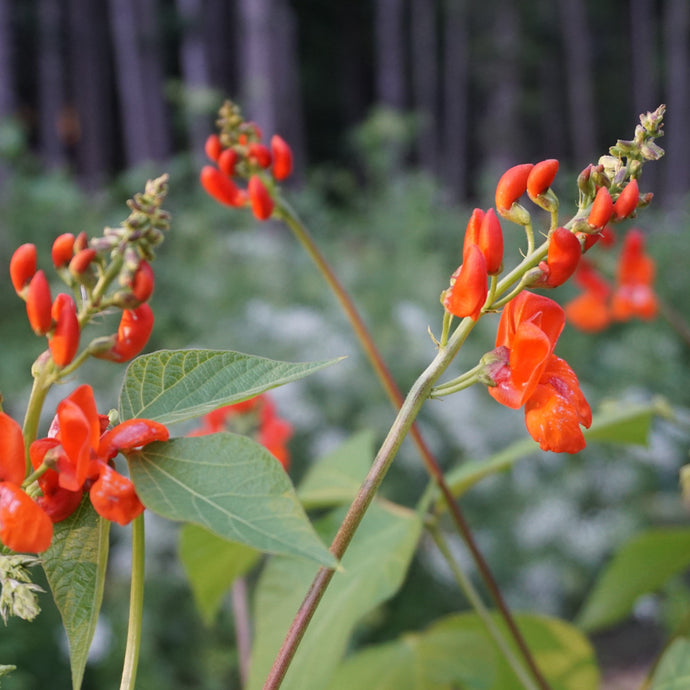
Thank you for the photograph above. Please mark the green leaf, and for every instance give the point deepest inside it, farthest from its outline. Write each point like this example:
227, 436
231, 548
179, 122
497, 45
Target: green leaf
673, 671
435, 660
75, 566
173, 385
212, 564
642, 565
336, 478
613, 423
232, 486
456, 651
373, 569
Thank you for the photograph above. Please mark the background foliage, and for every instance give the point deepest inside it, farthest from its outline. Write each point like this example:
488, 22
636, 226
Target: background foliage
393, 231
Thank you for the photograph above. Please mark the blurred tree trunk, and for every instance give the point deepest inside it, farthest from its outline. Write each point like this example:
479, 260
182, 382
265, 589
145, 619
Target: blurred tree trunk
287, 92
645, 96
8, 102
501, 130
51, 92
256, 62
91, 89
455, 98
390, 54
676, 25
154, 80
195, 74
222, 54
577, 45
129, 74
425, 82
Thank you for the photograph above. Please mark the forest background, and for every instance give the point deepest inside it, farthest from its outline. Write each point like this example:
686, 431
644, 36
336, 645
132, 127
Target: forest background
401, 114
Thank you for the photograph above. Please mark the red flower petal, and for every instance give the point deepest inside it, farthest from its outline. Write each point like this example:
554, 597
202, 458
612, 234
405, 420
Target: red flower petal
12, 454
468, 288
24, 527
114, 498
131, 434
555, 411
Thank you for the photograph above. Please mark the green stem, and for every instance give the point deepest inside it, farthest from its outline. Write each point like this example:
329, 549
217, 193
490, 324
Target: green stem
285, 212
39, 390
475, 600
403, 422
469, 378
136, 606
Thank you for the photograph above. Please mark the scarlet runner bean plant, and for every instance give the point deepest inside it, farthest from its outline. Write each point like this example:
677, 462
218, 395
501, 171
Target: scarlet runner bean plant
227, 480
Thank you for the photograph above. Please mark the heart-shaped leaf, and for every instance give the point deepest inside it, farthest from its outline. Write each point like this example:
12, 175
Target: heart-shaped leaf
75, 566
336, 478
457, 651
212, 564
641, 566
173, 385
232, 486
372, 571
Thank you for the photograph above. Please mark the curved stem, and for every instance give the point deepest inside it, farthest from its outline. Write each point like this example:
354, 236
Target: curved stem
286, 213
403, 422
136, 606
475, 600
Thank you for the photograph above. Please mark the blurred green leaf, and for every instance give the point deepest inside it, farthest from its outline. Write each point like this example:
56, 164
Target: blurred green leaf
642, 565
613, 423
456, 651
336, 478
231, 485
673, 671
75, 566
212, 564
170, 386
372, 571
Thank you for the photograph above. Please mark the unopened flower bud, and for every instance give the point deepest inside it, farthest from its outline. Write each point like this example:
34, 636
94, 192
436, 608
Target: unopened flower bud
262, 203
511, 187
63, 249
213, 147
282, 158
22, 266
38, 304
64, 340
602, 209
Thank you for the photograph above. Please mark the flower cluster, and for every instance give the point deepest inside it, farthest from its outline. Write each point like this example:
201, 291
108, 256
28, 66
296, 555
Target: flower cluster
523, 370
239, 153
89, 268
255, 417
631, 296
73, 459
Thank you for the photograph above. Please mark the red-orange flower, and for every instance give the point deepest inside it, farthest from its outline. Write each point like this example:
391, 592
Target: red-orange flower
484, 230
132, 334
634, 294
526, 372
562, 258
64, 340
468, 288
84, 452
271, 431
512, 186
527, 332
590, 311
602, 209
22, 266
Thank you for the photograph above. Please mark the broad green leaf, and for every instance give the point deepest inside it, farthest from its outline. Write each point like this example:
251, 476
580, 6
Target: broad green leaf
642, 565
373, 569
173, 385
337, 477
75, 567
232, 486
456, 651
613, 423
428, 661
212, 564
673, 671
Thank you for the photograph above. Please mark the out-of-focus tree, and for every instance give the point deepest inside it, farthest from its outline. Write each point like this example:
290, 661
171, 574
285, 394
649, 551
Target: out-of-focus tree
677, 55
139, 80
390, 45
455, 151
425, 81
91, 89
51, 86
577, 47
